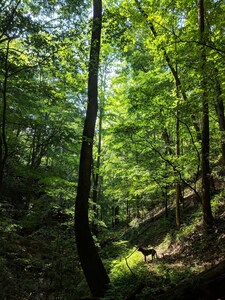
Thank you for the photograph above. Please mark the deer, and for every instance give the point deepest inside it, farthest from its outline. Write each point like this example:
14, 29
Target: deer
147, 252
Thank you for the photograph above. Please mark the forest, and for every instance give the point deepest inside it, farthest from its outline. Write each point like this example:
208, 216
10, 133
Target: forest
112, 149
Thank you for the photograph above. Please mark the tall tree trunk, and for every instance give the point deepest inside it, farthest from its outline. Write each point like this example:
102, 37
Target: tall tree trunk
128, 212
166, 202
3, 141
206, 205
168, 151
91, 263
178, 187
96, 185
219, 106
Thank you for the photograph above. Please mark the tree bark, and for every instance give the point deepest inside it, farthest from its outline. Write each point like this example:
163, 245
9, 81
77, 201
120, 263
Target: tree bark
3, 141
178, 186
166, 203
219, 106
91, 263
96, 184
206, 205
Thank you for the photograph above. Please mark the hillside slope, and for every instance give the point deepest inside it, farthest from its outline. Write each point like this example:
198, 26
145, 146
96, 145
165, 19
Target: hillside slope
189, 258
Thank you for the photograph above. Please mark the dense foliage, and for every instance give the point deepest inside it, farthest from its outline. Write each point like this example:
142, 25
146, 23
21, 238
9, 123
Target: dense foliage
161, 79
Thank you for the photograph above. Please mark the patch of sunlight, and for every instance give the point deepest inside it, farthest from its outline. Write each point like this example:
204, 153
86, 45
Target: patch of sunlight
165, 243
217, 202
125, 264
187, 229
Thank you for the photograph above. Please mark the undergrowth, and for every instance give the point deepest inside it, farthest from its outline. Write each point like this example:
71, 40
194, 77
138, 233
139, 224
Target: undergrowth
180, 254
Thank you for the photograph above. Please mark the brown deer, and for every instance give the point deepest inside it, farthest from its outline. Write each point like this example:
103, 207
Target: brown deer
147, 252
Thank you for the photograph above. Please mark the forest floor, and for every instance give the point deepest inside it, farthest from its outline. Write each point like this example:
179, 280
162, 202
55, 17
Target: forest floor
184, 254
190, 251
198, 247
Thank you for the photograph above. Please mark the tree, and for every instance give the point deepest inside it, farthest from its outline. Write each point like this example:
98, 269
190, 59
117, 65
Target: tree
207, 213
3, 141
91, 263
219, 106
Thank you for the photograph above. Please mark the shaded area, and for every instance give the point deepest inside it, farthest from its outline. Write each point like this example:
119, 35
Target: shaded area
208, 285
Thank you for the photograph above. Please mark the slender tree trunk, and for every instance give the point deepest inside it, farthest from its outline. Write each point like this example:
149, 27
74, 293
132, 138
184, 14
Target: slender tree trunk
96, 185
128, 212
168, 151
138, 207
91, 263
206, 205
3, 141
219, 106
167, 140
178, 187
113, 216
166, 203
